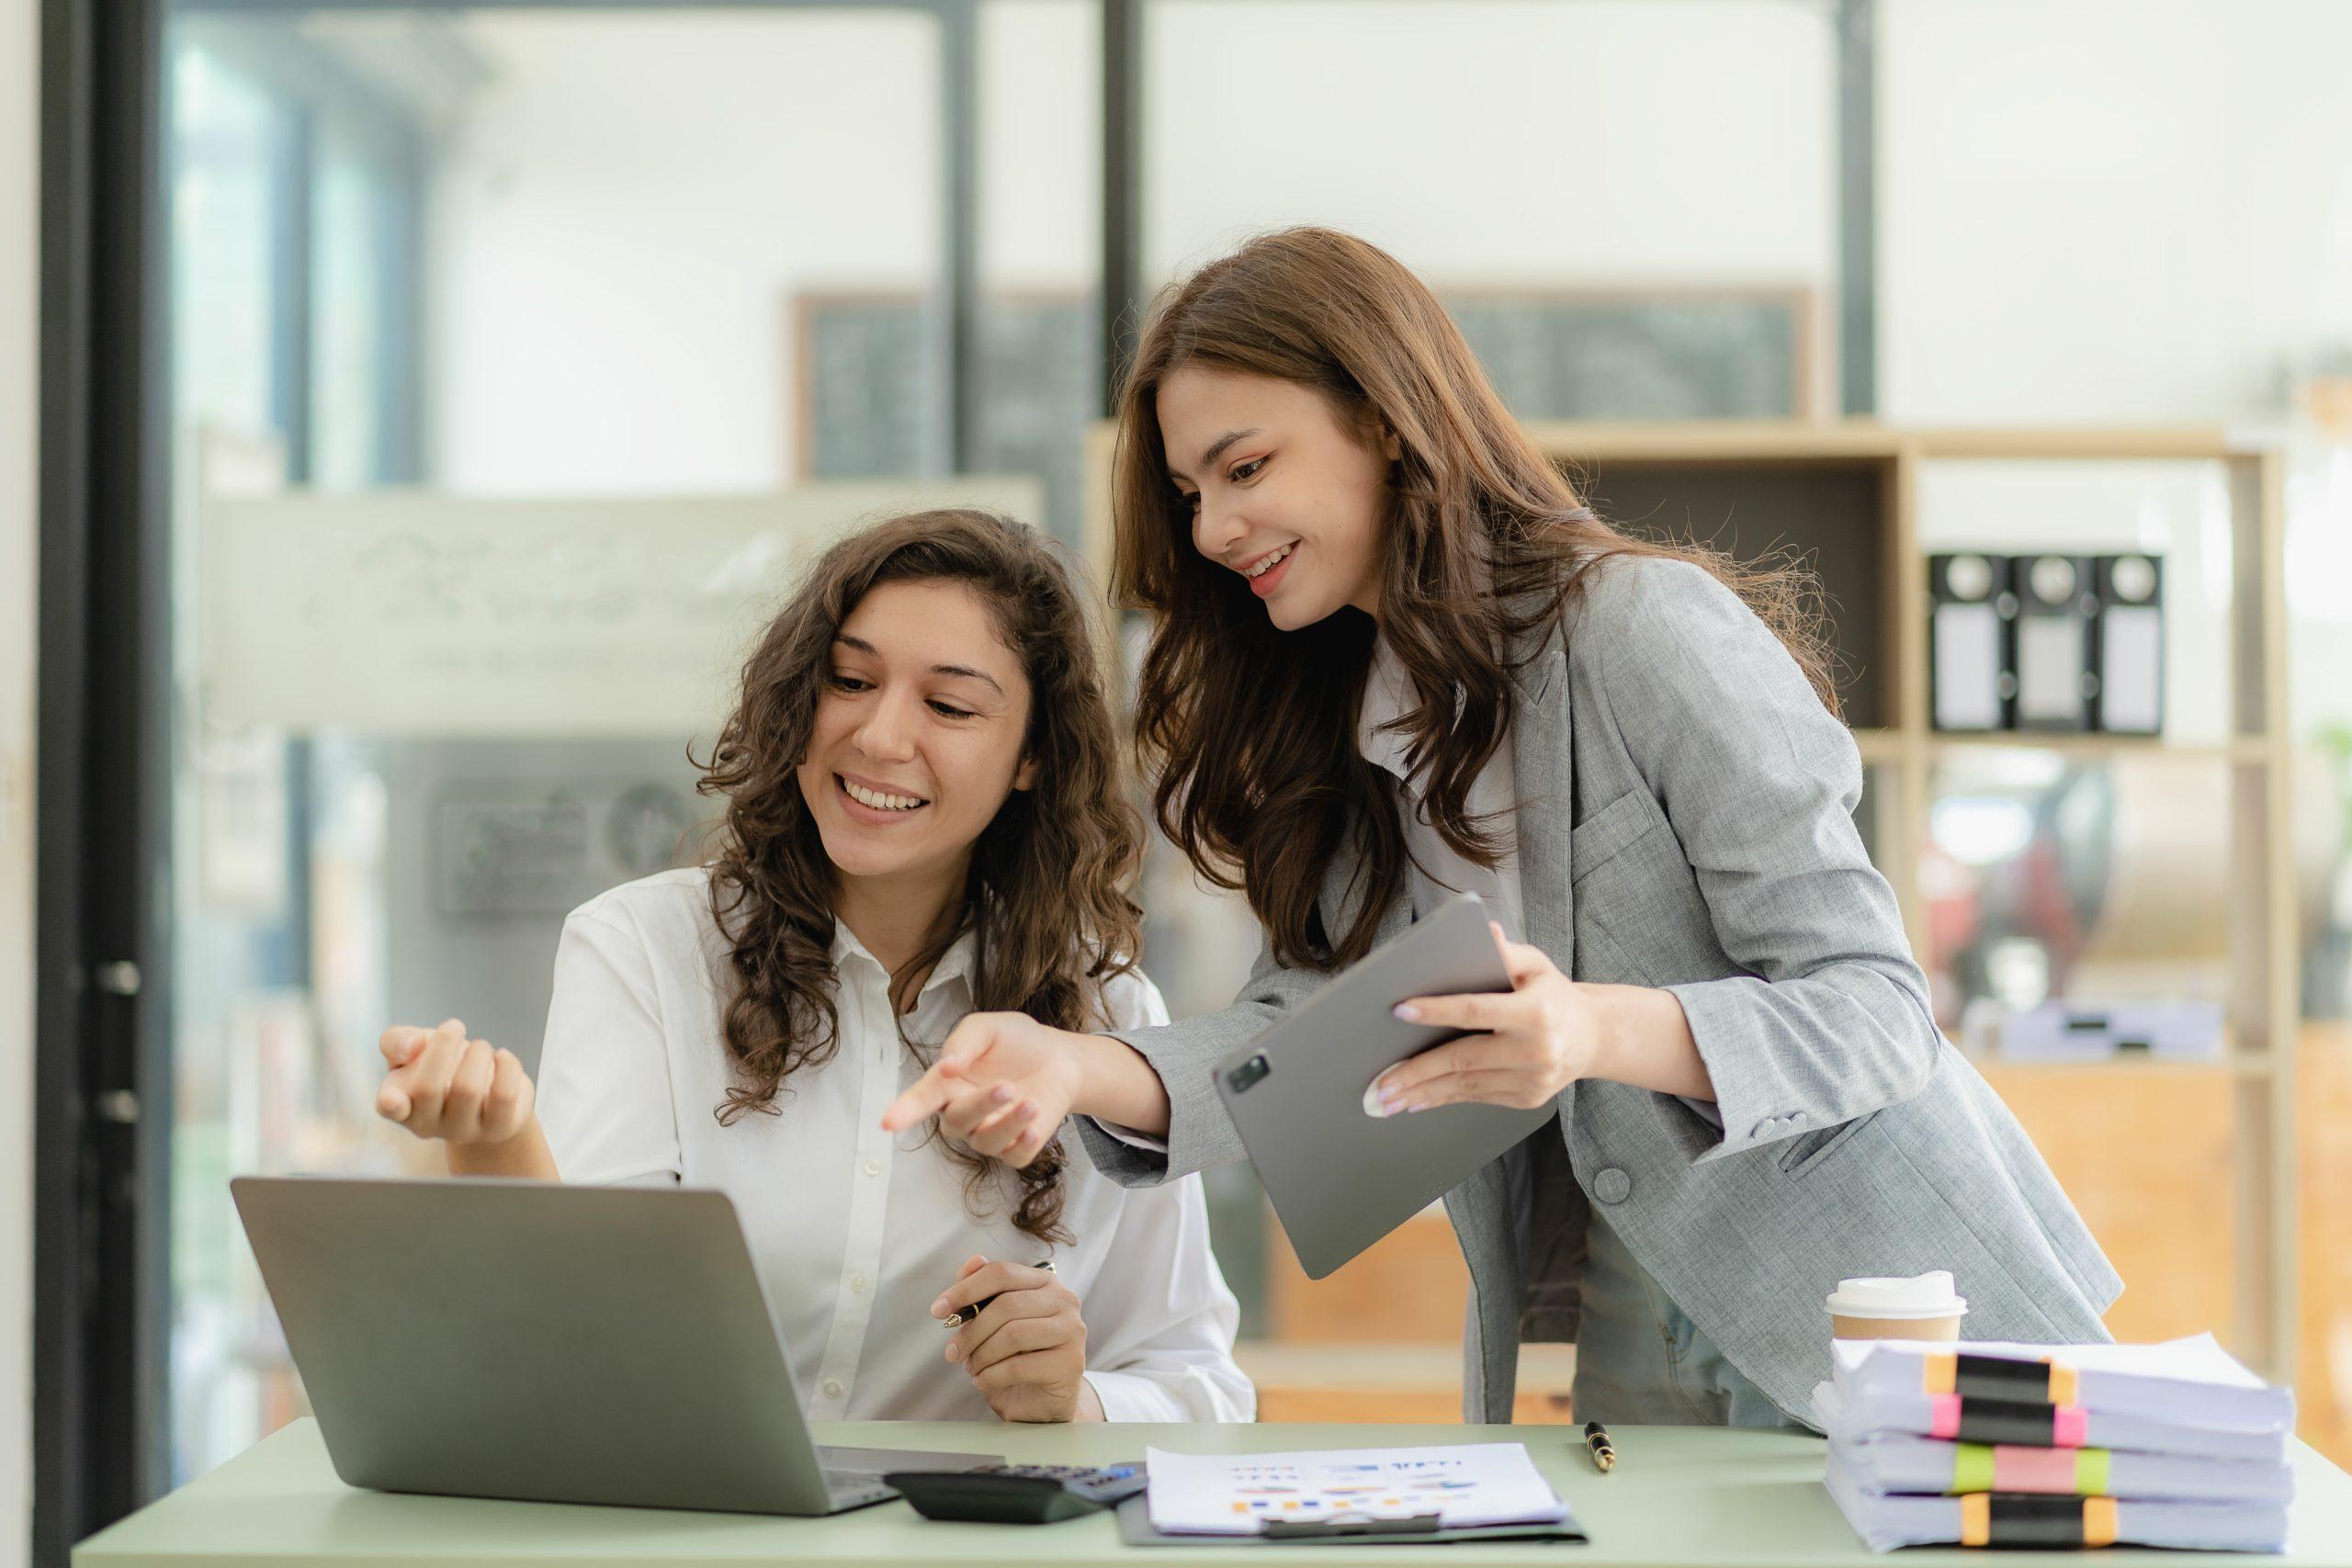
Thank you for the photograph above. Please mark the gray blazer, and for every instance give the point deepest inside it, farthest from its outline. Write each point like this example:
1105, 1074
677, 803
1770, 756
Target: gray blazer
1686, 822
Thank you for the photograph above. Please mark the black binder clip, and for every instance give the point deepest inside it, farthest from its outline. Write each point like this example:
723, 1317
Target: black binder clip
1348, 1524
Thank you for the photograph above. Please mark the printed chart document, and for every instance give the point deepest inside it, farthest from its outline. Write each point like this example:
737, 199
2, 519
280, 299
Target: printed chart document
1464, 1485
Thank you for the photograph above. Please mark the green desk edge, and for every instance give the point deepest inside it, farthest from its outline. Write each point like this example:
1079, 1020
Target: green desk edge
1680, 1497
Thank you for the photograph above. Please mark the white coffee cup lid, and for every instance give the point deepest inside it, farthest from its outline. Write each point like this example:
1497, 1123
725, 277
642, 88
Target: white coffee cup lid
1921, 1295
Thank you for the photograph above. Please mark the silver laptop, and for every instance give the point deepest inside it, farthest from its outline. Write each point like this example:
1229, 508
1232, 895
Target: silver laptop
559, 1344
1338, 1179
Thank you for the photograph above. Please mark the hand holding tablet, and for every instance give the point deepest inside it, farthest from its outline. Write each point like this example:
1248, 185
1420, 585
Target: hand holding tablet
1524, 1047
1298, 1095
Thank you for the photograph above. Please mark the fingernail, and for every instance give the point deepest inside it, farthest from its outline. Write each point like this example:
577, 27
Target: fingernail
1408, 1012
939, 1307
1416, 1105
955, 1353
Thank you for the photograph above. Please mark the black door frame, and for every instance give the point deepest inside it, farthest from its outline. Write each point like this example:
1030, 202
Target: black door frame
102, 1092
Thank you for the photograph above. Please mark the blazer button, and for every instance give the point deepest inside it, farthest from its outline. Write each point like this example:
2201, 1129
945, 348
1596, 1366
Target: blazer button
1612, 1186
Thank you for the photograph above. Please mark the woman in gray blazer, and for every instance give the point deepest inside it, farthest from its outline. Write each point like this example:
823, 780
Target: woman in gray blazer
1394, 656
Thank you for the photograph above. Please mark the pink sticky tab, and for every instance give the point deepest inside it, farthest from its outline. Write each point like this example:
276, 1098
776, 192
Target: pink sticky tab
1943, 1415
2033, 1470
2070, 1427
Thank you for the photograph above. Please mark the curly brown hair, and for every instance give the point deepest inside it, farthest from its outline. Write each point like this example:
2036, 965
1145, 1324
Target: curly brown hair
1045, 897
1250, 730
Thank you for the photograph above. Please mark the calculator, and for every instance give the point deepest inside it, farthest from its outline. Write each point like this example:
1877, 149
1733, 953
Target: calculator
1016, 1493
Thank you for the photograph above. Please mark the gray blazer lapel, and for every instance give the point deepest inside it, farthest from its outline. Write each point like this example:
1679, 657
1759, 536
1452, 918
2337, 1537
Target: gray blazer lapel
1541, 761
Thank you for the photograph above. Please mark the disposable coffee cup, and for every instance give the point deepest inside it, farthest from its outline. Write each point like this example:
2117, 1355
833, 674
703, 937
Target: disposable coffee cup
1924, 1306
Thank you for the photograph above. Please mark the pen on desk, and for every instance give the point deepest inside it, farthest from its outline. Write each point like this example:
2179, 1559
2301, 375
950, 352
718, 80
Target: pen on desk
1596, 1441
963, 1316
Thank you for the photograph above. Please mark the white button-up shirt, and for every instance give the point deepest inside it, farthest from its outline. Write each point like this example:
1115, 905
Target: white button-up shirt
1439, 872
855, 1232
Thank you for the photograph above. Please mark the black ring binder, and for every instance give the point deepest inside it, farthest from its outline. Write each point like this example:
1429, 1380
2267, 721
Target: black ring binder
1349, 1524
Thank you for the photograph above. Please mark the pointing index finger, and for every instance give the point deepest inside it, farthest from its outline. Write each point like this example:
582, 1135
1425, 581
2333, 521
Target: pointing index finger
926, 1097
402, 1045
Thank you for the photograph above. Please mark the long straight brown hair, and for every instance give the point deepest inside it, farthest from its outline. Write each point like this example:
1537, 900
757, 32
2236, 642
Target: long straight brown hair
1484, 545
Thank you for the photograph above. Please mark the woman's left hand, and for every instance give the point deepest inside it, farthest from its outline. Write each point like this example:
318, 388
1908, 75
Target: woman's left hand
1026, 1351
1531, 1040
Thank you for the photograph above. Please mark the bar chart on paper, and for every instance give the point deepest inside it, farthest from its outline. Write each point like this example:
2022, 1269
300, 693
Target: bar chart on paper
1460, 1486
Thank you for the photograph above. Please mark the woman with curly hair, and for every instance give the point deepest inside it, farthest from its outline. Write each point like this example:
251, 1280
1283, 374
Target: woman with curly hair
924, 818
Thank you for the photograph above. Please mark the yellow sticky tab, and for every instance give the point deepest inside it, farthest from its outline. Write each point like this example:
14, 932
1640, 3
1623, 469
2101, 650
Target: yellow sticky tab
1976, 1519
2063, 1382
1972, 1468
1942, 1373
2093, 1468
2098, 1521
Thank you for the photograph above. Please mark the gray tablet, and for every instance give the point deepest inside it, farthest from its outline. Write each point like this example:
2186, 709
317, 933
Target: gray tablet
561, 1344
1340, 1178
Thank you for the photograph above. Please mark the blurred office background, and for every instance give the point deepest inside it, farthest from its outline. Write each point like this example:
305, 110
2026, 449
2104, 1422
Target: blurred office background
492, 334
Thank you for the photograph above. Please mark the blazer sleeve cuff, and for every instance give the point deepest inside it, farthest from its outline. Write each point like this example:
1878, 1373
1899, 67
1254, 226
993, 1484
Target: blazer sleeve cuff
1200, 1134
1120, 1155
1752, 1106
1147, 1143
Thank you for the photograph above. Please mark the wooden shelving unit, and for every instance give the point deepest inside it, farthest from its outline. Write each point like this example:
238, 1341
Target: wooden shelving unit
1848, 493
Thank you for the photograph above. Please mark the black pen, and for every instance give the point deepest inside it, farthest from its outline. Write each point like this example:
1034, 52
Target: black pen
963, 1316
1596, 1443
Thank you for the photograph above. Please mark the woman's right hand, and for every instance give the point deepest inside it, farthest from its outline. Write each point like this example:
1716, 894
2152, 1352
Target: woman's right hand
1003, 1083
442, 1085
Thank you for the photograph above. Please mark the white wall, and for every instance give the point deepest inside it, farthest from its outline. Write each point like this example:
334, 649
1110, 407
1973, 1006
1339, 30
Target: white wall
19, 378
1602, 141
2110, 209
623, 217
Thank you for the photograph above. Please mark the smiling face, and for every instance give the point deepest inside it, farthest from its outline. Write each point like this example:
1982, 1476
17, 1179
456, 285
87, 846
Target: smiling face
1284, 491
919, 736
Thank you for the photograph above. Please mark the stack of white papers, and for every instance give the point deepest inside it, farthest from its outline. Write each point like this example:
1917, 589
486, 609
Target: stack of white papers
1456, 1487
2170, 1444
